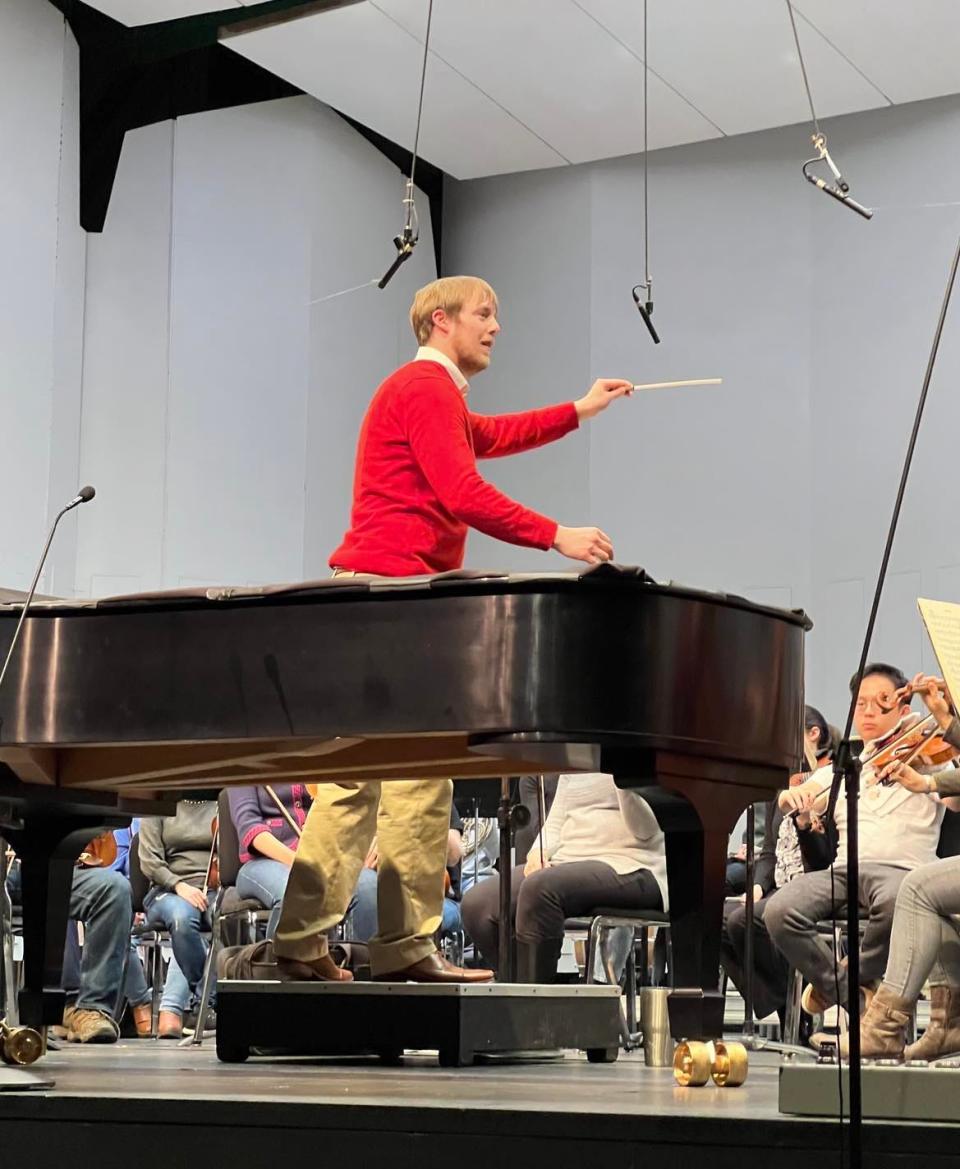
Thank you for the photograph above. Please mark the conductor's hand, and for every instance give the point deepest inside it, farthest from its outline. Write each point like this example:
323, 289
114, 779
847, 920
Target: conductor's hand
603, 391
589, 544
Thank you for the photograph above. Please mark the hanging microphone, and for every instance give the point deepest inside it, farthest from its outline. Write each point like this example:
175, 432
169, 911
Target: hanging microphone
839, 195
404, 244
646, 311
84, 495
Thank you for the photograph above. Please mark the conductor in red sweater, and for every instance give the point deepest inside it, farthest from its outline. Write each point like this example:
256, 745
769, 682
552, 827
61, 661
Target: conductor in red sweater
416, 493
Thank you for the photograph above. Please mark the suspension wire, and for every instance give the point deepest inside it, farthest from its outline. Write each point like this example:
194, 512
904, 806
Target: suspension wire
803, 69
646, 189
411, 210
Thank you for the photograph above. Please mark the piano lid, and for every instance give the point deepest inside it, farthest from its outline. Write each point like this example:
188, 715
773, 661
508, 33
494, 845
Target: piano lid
461, 581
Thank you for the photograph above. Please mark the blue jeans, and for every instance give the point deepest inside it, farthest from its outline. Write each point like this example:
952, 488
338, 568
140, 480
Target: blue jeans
363, 909
264, 880
101, 899
185, 924
176, 995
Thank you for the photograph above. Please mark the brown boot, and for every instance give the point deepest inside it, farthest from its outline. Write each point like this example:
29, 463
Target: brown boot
170, 1025
883, 1028
143, 1020
942, 1036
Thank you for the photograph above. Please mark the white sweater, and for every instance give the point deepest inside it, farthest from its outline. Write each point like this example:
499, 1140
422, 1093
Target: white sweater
591, 819
896, 827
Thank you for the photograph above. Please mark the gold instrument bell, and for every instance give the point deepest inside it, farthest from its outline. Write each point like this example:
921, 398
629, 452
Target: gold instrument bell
20, 1045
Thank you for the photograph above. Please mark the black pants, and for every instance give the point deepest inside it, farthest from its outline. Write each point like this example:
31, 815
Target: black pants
542, 902
770, 967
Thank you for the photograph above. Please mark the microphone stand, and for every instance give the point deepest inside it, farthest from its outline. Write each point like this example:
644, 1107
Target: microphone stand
22, 1045
83, 496
846, 768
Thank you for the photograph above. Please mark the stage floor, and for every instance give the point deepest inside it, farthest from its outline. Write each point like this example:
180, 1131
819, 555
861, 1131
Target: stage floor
146, 1103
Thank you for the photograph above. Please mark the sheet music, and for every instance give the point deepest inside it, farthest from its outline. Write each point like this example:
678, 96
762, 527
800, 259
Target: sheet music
942, 620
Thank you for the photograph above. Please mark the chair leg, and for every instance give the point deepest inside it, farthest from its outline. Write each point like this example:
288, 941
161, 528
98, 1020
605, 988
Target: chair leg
791, 1019
593, 942
196, 1039
633, 1032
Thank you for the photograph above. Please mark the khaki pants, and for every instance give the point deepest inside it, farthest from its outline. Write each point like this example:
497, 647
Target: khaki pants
411, 821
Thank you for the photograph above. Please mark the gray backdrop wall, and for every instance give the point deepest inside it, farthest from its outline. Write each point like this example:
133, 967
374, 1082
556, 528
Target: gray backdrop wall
779, 484
175, 361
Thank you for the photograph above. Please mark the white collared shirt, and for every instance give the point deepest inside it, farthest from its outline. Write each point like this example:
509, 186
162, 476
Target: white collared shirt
427, 353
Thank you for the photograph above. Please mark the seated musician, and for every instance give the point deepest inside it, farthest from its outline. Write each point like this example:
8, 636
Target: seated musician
925, 939
899, 830
269, 821
93, 977
417, 492
599, 846
175, 855
790, 848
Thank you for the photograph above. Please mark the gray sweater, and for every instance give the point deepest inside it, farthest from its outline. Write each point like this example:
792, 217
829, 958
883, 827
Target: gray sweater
177, 848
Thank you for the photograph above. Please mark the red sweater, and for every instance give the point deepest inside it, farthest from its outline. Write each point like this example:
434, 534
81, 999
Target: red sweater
416, 487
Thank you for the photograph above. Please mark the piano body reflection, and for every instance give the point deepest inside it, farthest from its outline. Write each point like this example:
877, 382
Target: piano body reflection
694, 698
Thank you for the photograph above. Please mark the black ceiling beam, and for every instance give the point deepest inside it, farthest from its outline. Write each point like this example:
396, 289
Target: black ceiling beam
132, 77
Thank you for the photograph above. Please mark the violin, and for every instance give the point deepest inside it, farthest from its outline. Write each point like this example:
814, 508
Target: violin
920, 744
100, 853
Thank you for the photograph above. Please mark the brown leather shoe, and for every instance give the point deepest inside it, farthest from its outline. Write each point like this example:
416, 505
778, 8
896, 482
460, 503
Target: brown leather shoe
435, 968
143, 1020
258, 962
170, 1025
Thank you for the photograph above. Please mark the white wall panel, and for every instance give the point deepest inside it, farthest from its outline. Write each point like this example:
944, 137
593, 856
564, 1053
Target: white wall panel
32, 42
67, 398
123, 432
238, 350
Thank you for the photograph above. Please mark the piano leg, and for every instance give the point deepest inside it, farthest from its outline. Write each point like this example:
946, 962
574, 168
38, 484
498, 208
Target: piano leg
697, 815
48, 847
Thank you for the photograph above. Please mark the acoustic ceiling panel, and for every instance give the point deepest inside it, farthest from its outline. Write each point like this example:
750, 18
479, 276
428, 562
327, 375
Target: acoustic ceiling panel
557, 70
364, 63
911, 51
736, 59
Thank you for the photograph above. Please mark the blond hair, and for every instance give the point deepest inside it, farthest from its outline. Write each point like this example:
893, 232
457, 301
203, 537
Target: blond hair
450, 293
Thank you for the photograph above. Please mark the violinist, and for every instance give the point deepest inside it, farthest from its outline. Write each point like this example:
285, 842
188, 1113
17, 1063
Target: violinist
925, 944
899, 831
175, 855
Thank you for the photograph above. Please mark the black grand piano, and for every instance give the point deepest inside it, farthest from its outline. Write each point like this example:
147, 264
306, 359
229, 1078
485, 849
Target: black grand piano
111, 706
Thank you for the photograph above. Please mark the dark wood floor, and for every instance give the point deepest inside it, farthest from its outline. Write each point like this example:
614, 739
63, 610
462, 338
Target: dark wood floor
145, 1103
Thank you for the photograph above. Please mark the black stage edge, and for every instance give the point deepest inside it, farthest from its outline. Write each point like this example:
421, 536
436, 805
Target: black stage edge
459, 1021
155, 1105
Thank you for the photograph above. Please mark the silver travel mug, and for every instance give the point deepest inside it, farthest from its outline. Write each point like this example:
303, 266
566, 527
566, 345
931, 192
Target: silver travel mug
655, 1025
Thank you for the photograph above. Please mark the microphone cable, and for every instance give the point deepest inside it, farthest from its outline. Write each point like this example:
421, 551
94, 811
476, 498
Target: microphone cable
645, 304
